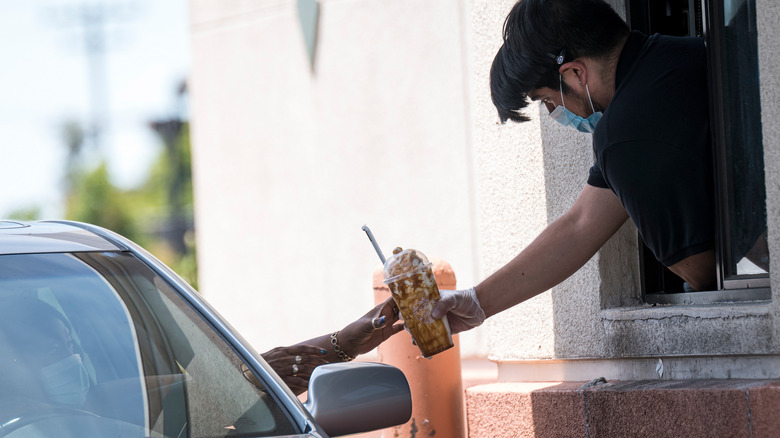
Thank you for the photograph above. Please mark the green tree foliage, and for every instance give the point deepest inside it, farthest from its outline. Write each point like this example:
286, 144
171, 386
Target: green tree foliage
94, 199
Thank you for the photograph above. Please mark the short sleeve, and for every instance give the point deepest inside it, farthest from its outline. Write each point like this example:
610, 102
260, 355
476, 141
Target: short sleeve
595, 177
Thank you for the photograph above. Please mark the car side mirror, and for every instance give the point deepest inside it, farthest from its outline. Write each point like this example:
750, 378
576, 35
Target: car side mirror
354, 397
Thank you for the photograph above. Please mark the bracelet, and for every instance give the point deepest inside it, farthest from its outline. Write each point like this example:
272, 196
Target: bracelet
334, 340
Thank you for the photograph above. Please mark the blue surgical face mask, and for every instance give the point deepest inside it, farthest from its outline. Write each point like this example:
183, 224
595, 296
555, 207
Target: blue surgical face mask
66, 382
568, 118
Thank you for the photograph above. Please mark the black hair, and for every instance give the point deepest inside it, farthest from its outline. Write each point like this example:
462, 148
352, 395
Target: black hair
539, 36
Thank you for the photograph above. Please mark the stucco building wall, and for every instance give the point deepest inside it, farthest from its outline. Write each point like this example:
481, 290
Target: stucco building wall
289, 163
395, 128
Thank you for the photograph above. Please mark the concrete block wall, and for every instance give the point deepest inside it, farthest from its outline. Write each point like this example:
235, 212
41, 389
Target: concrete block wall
657, 409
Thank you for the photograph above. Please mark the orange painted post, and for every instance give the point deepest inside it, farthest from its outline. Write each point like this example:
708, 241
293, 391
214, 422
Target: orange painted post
436, 383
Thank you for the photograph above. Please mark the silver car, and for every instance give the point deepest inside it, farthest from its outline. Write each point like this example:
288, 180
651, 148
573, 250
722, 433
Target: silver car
100, 339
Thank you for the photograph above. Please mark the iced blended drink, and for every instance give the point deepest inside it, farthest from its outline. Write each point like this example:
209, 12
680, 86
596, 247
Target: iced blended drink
409, 275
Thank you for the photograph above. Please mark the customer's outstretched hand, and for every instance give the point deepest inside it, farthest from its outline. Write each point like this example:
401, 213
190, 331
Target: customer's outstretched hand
370, 330
294, 364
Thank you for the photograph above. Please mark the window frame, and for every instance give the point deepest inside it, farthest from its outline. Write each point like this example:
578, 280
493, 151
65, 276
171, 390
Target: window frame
658, 284
715, 46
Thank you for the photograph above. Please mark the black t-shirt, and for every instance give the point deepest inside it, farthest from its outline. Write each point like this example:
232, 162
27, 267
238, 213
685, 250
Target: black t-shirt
652, 146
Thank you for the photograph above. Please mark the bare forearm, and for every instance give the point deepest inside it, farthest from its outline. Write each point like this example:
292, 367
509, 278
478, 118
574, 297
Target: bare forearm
323, 343
547, 261
360, 336
559, 251
296, 363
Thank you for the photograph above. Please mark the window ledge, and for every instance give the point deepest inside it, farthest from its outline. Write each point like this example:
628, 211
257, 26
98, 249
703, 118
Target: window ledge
716, 297
703, 311
692, 330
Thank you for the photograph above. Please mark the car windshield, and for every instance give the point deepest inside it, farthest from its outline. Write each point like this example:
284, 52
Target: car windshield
97, 344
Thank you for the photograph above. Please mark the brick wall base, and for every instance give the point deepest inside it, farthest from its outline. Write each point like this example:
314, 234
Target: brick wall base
600, 409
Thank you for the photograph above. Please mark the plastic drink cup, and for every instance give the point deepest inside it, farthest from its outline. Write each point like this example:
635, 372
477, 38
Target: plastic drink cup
409, 276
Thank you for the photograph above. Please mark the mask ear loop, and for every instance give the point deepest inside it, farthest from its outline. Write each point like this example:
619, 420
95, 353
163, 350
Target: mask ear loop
560, 86
590, 100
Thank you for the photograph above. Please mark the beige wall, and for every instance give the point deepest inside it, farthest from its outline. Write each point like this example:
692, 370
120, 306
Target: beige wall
289, 165
396, 129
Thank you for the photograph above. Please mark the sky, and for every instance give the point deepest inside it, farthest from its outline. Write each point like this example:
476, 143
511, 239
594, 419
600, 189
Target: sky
45, 81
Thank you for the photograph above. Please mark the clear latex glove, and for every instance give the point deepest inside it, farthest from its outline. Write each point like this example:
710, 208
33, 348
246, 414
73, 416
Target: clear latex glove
462, 309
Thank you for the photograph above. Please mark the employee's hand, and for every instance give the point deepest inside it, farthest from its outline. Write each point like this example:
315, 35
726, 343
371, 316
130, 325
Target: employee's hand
462, 309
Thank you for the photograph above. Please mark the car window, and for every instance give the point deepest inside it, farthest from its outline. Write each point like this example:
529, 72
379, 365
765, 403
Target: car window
98, 344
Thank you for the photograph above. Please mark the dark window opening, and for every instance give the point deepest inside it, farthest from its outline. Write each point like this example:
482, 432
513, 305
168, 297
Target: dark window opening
729, 27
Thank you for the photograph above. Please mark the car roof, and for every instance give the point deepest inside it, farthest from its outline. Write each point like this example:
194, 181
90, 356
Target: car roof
18, 237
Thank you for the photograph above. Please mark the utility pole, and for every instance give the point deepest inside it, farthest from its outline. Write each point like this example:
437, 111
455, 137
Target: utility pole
92, 18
